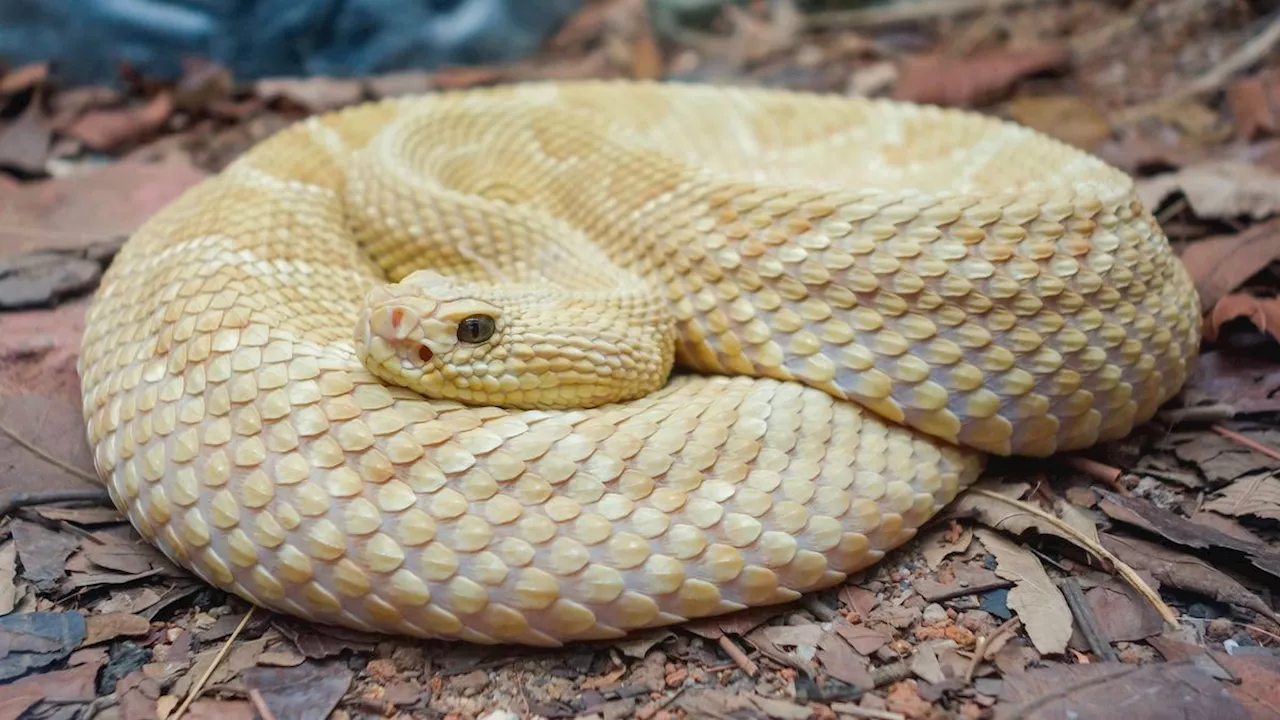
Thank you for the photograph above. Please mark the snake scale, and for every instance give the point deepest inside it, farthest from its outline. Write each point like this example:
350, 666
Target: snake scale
547, 362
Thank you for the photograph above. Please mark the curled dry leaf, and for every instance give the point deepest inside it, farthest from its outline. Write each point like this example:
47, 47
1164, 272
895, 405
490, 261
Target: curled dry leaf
112, 130
1263, 313
1218, 189
966, 82
1219, 265
1185, 572
1038, 602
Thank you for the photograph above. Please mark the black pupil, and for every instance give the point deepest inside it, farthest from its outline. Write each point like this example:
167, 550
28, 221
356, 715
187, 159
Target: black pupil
475, 329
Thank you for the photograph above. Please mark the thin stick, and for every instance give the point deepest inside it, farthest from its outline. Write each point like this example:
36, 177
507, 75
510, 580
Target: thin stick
47, 457
1088, 621
260, 705
22, 500
910, 12
1248, 54
861, 712
1247, 442
1198, 413
217, 660
735, 653
1125, 571
984, 642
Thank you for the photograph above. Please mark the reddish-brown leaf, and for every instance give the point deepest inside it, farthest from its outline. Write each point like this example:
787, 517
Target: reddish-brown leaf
1069, 118
1218, 265
1258, 496
112, 130
23, 78
1250, 102
1109, 690
1263, 313
966, 82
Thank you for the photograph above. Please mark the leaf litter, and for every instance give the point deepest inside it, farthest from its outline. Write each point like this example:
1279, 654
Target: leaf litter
954, 623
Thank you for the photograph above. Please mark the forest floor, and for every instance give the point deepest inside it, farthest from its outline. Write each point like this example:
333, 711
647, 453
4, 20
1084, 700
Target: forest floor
1137, 579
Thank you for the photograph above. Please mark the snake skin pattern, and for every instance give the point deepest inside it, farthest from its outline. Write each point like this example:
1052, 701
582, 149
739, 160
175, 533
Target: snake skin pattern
743, 343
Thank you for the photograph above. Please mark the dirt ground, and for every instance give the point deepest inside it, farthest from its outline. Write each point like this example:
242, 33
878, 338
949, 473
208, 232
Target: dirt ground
1136, 580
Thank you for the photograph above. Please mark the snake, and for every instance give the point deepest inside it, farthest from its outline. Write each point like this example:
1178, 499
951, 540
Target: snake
555, 361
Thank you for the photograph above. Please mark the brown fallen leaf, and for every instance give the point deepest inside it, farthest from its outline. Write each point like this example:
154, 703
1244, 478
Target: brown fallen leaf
736, 623
967, 82
842, 662
1217, 189
137, 694
1262, 312
1219, 265
1122, 614
1255, 679
8, 572
968, 580
708, 704
942, 541
25, 141
862, 638
1038, 602
1112, 690
81, 515
315, 94
70, 686
101, 628
115, 129
860, 599
1258, 496
1247, 381
133, 558
43, 553
1002, 516
1069, 118
23, 78
1254, 103
309, 690
221, 710
1185, 572
1185, 532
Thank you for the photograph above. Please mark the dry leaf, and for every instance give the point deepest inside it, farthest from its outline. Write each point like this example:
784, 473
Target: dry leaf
1219, 265
968, 580
1187, 532
1038, 602
1123, 615
310, 690
1184, 571
1069, 118
8, 571
113, 130
1255, 104
1263, 313
943, 541
1217, 189
1258, 496
1005, 517
24, 142
945, 80
842, 662
1113, 689
1244, 380
100, 628
23, 78
708, 704
43, 553
315, 94
866, 640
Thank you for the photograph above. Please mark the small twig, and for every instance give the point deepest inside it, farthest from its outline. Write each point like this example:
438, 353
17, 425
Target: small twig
882, 676
217, 660
860, 712
47, 497
818, 608
47, 457
260, 705
732, 665
1198, 413
1105, 473
1248, 54
897, 14
1124, 570
1247, 442
985, 642
1089, 627
735, 653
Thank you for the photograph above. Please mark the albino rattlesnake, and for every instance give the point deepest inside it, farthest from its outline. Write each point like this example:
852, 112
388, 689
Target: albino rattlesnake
853, 284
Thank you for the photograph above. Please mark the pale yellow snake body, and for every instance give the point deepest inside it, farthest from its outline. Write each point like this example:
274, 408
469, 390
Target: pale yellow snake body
861, 300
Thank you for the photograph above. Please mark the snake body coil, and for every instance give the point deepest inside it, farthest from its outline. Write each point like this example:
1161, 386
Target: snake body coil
549, 362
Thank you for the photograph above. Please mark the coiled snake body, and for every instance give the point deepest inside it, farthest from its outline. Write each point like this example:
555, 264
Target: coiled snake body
547, 362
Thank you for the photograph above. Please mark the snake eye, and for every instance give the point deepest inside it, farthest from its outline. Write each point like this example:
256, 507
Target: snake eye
475, 329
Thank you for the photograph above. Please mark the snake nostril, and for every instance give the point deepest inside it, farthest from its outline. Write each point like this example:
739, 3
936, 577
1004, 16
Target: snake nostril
424, 354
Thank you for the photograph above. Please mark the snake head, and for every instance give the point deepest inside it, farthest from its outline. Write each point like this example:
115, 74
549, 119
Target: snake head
513, 345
